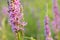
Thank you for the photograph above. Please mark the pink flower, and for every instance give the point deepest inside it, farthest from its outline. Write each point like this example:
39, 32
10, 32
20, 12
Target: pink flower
56, 21
47, 29
5, 10
15, 15
55, 7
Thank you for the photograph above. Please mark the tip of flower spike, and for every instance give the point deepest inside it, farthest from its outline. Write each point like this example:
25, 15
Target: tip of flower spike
55, 2
46, 19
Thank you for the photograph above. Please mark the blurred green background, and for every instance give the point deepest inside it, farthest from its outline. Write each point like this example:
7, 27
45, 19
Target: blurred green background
34, 13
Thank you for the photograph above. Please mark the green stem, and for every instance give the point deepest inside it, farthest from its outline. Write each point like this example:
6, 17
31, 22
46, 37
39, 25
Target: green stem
19, 35
59, 36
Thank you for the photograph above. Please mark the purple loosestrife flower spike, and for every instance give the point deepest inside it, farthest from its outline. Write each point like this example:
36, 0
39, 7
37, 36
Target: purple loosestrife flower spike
56, 21
16, 15
56, 13
55, 7
47, 28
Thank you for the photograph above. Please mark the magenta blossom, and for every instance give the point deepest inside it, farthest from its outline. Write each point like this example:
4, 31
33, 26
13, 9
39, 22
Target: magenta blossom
47, 29
5, 10
15, 15
56, 20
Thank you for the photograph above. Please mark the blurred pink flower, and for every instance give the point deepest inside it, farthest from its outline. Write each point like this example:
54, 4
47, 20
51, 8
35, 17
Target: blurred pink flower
56, 21
47, 29
5, 10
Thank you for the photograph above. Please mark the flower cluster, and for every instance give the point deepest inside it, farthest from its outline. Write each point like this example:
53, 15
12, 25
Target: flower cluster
56, 21
56, 14
16, 15
47, 29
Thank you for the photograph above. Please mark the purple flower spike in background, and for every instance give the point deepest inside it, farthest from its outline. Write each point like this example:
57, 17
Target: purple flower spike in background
56, 20
56, 12
47, 29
